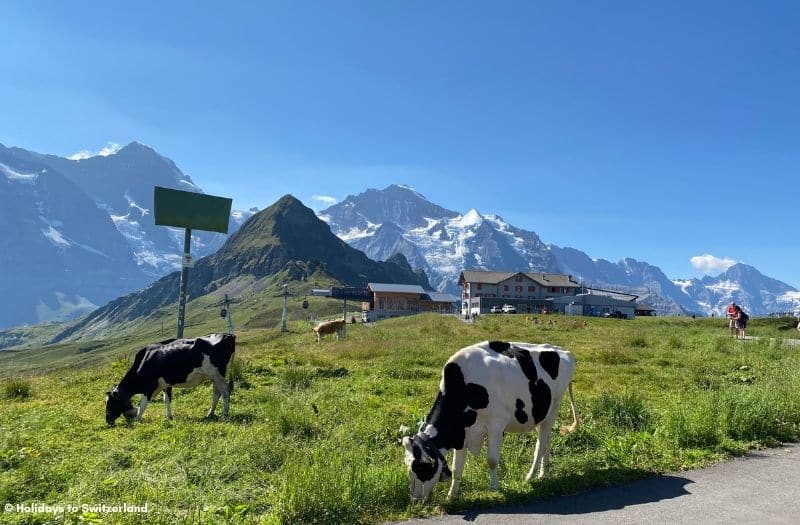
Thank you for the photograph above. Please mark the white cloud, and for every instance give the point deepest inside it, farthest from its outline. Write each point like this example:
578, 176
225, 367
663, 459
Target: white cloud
109, 149
708, 264
325, 199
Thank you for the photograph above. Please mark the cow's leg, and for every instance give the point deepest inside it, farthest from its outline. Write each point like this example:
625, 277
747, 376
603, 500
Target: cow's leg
142, 405
459, 460
226, 396
168, 401
495, 442
541, 456
214, 400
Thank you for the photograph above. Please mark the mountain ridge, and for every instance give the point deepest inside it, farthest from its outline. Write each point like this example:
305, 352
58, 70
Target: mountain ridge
444, 242
286, 237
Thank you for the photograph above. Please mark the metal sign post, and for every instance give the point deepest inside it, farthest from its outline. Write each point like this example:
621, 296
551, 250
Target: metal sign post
197, 211
187, 260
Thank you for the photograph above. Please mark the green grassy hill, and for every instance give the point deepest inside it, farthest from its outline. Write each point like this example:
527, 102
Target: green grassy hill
314, 428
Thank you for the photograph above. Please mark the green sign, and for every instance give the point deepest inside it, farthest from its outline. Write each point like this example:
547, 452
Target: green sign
194, 211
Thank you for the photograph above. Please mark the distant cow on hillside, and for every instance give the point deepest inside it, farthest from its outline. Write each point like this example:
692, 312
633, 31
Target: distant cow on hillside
329, 327
486, 390
175, 362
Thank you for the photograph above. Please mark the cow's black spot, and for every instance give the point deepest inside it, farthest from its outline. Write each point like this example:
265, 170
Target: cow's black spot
541, 398
222, 352
550, 361
423, 471
499, 346
520, 414
455, 409
525, 361
540, 392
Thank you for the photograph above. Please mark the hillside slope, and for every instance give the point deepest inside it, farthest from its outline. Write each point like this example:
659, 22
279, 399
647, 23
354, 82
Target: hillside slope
285, 237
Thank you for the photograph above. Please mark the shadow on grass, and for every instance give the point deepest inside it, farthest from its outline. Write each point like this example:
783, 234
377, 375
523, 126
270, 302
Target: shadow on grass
648, 490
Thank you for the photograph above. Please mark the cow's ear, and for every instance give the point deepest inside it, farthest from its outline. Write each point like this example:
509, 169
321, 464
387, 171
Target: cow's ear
407, 444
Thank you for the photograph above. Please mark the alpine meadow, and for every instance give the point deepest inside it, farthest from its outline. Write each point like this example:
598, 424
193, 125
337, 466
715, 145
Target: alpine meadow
314, 430
349, 262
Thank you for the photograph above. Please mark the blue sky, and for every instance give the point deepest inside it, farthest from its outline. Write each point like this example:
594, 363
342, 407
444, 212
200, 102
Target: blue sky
655, 130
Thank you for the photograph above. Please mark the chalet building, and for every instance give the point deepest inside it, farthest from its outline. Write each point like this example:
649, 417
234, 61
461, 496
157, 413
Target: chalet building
397, 300
528, 292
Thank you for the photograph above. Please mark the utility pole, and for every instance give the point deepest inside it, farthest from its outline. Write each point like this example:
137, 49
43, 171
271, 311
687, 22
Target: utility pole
226, 312
285, 296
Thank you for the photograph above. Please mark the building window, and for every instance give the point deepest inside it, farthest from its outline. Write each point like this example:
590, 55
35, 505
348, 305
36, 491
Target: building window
480, 286
531, 288
518, 278
505, 287
518, 288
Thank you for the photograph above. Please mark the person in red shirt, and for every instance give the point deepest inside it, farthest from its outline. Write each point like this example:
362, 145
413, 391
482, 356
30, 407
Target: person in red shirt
733, 311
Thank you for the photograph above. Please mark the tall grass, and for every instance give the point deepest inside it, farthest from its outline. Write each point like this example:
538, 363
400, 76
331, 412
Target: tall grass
17, 388
335, 486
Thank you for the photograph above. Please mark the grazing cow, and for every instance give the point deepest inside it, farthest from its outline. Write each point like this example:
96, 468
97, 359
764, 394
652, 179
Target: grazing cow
174, 362
488, 389
329, 327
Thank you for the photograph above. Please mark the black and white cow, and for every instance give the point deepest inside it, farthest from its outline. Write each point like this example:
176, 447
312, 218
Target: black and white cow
488, 389
175, 362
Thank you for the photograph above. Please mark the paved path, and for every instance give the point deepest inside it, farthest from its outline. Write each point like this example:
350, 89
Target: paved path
761, 487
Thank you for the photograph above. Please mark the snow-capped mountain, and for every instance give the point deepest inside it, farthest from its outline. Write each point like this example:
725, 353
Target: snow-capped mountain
442, 242
61, 254
755, 292
122, 184
77, 233
629, 275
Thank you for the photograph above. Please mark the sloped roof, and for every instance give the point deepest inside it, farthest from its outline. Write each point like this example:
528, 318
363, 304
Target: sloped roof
484, 276
642, 306
544, 279
396, 288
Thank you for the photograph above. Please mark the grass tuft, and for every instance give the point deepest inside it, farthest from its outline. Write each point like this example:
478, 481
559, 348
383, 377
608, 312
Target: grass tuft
17, 389
626, 410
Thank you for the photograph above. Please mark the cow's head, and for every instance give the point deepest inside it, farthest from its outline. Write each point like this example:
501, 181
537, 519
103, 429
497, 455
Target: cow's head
117, 405
426, 466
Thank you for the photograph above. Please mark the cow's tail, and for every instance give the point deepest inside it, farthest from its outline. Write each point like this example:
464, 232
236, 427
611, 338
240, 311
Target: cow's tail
575, 419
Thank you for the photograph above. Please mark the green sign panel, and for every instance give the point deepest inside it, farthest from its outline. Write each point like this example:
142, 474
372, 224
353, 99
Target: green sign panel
194, 211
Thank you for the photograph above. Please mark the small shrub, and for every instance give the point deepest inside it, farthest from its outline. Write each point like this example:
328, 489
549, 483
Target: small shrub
627, 410
16, 388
